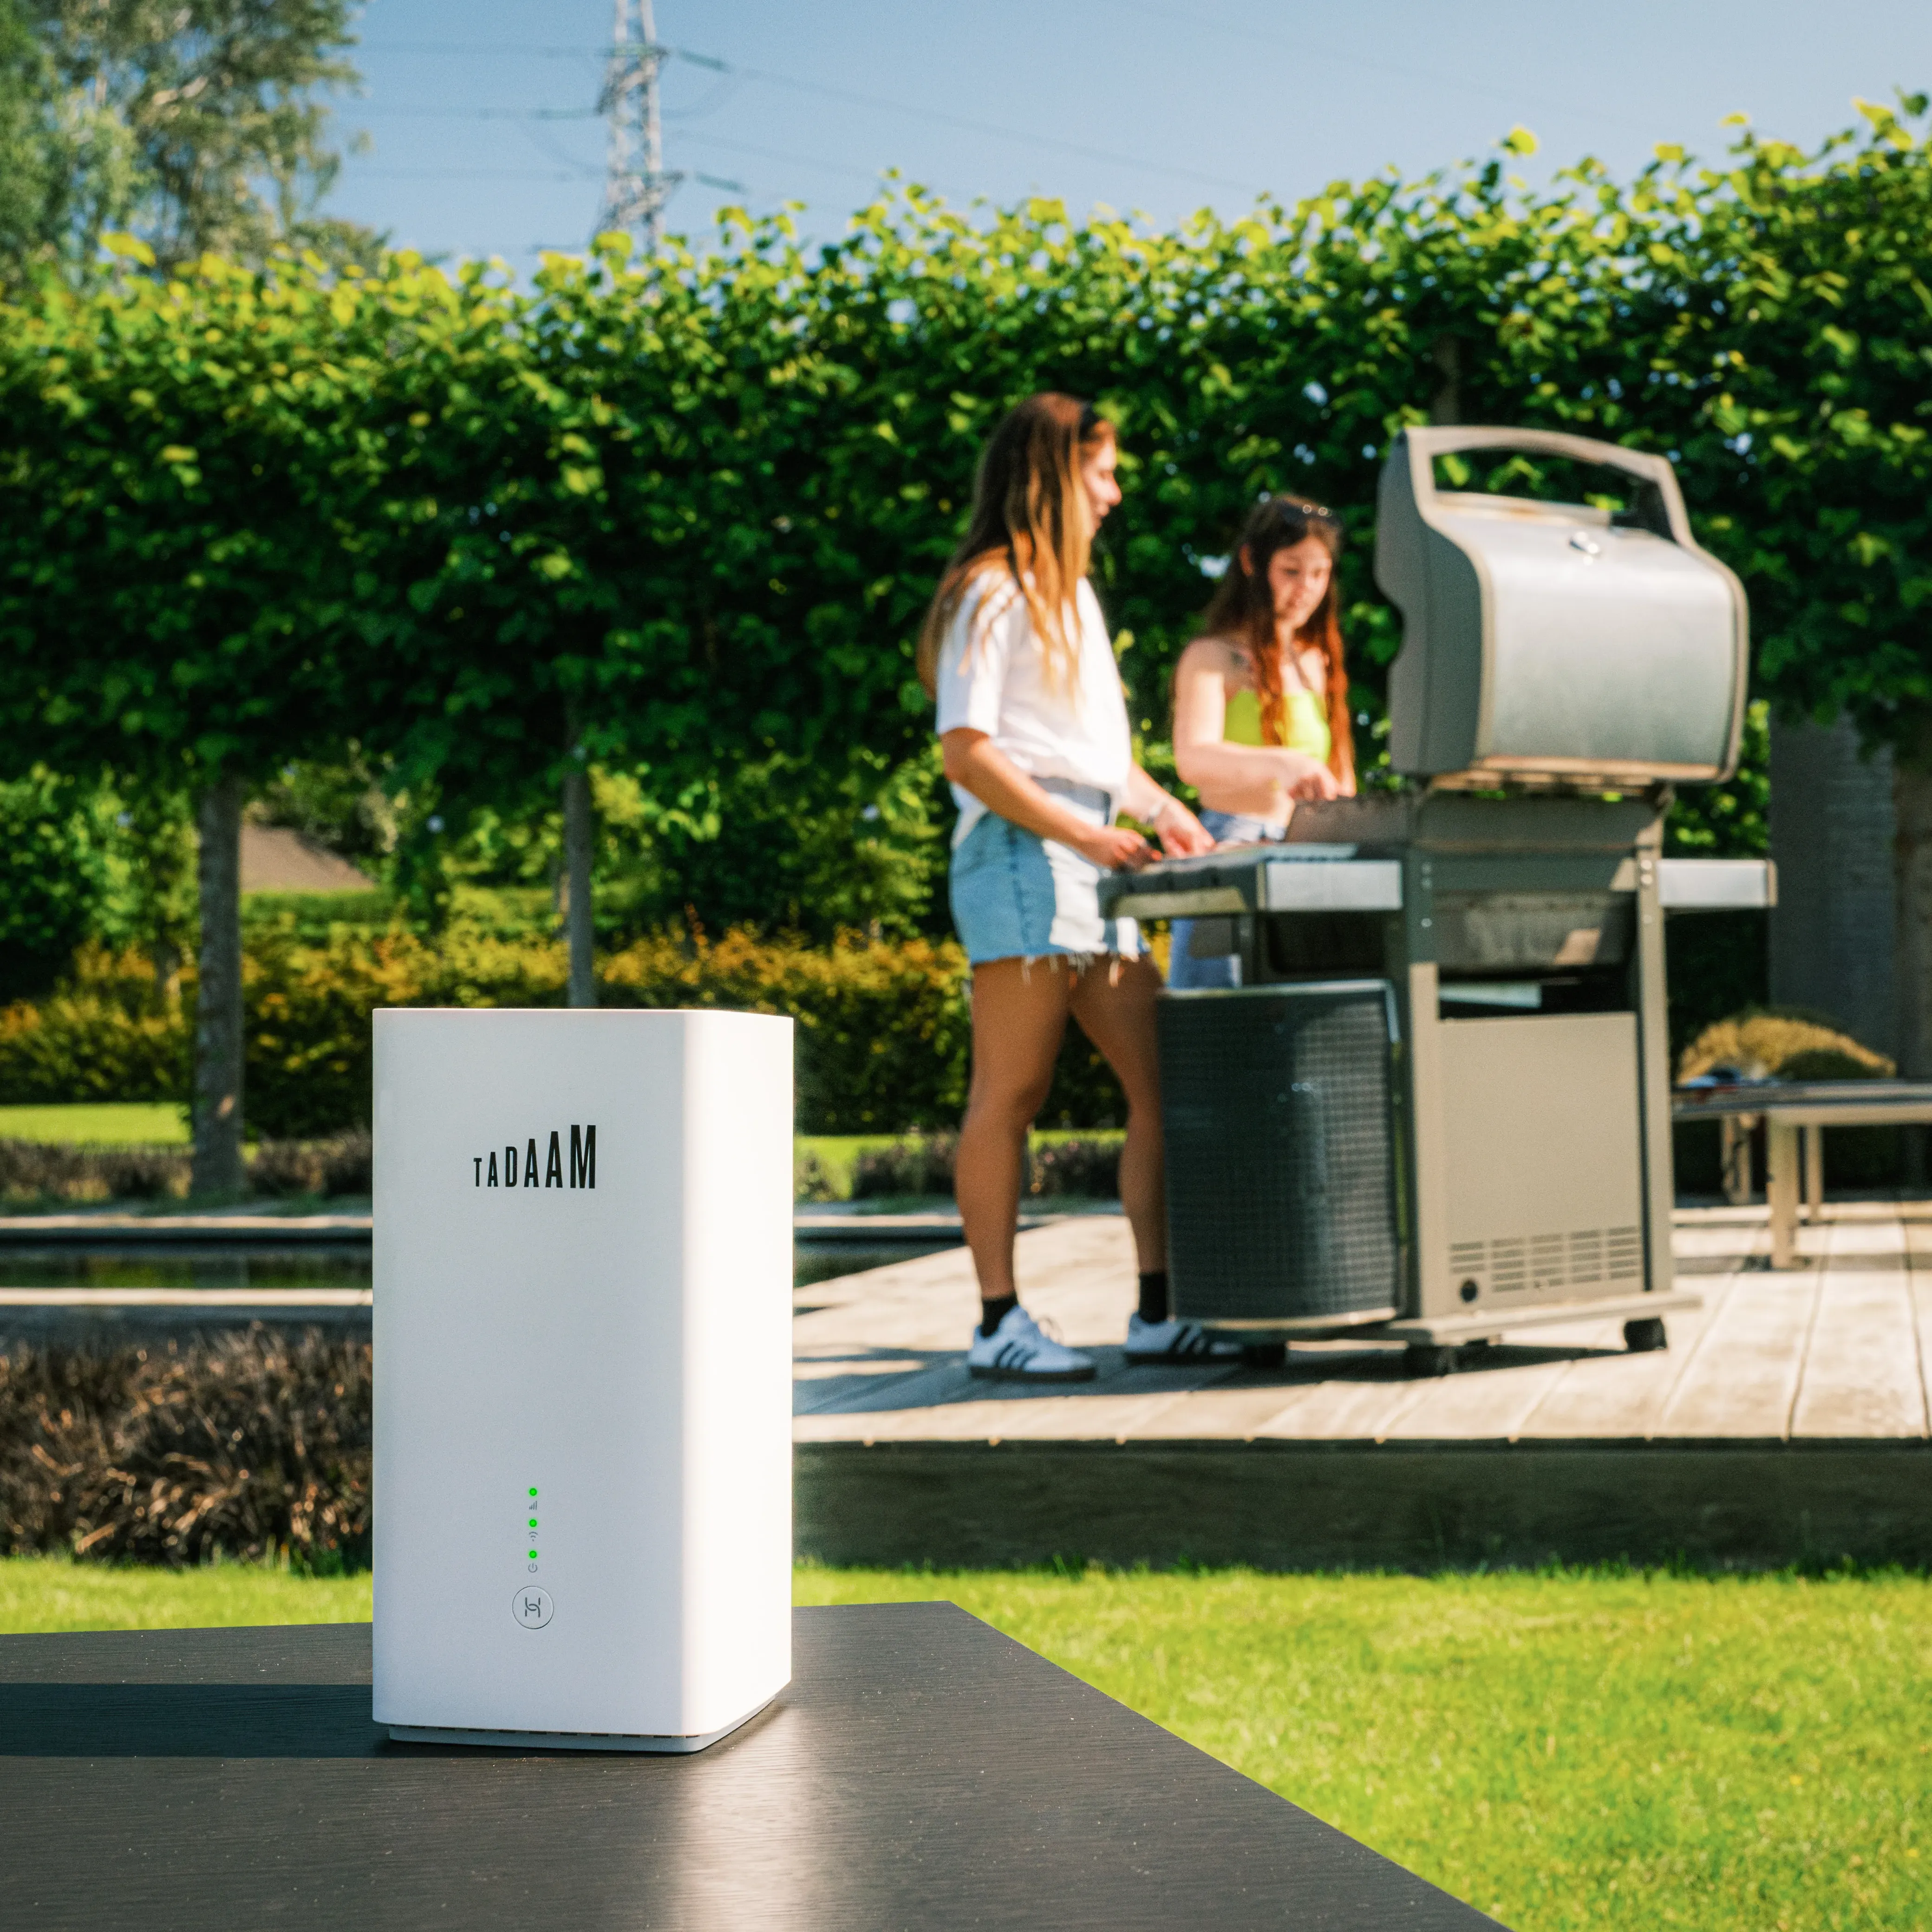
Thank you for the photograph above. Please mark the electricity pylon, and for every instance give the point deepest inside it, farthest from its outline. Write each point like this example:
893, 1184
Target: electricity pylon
635, 185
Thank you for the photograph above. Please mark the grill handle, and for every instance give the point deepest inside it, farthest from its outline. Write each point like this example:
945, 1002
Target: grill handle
1424, 446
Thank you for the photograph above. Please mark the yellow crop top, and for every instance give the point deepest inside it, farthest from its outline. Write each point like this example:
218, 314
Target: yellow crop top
1307, 723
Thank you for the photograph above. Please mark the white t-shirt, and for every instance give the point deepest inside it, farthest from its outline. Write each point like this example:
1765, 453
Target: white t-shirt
998, 684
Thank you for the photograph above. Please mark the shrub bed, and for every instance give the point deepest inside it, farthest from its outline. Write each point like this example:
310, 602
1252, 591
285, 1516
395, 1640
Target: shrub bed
1080, 1166
104, 1035
253, 1444
883, 1026
33, 1173
1782, 1043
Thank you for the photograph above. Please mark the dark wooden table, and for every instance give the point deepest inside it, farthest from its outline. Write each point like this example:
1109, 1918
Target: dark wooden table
922, 1771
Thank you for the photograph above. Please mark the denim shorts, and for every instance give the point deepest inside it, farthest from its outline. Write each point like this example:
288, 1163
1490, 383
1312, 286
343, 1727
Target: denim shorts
1224, 970
1016, 896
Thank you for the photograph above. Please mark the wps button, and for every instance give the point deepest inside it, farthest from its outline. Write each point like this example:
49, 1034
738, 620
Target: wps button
532, 1608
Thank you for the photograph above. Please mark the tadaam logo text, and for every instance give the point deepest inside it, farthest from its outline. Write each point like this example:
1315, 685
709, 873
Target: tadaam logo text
521, 1168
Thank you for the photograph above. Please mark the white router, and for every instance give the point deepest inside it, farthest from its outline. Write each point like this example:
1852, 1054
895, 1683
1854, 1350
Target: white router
583, 1376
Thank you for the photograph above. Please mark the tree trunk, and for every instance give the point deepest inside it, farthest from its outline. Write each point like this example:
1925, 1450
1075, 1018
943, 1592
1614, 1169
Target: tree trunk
1912, 941
578, 830
218, 1168
165, 957
1445, 407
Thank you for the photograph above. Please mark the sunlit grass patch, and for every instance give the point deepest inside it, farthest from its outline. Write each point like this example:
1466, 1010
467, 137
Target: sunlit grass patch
1571, 1752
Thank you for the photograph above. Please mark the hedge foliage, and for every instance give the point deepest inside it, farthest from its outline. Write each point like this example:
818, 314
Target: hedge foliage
882, 1043
103, 1036
677, 517
680, 516
1082, 1167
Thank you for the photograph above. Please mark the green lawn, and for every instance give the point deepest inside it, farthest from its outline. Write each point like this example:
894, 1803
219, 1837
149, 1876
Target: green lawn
1568, 1752
836, 1153
52, 1594
125, 1124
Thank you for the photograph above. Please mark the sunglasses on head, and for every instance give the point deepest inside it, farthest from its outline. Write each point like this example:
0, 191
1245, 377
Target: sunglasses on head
1292, 509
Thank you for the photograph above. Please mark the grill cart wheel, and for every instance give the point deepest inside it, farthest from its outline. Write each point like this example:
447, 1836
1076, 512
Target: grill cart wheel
1428, 1358
1640, 1337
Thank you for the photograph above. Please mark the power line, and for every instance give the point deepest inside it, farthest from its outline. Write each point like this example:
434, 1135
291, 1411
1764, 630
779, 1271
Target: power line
504, 47
487, 113
786, 155
470, 174
1299, 45
783, 155
920, 111
1261, 36
924, 112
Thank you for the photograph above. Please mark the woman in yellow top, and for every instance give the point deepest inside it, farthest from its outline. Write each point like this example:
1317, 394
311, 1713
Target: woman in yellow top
1261, 698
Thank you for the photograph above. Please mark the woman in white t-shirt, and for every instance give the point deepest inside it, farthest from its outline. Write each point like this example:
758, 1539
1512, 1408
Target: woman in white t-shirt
1034, 725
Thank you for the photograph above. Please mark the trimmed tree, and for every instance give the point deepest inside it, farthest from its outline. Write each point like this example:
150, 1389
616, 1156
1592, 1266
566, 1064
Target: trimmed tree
181, 508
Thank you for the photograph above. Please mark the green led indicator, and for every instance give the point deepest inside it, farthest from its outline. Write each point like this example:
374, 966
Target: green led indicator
533, 1522
533, 1556
533, 1492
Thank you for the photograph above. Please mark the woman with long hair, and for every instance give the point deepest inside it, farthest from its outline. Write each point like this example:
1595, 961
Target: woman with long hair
1261, 698
1034, 728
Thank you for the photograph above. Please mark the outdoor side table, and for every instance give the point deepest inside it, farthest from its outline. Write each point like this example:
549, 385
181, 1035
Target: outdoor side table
921, 1771
1802, 1108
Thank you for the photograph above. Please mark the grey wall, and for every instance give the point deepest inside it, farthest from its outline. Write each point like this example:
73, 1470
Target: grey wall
1832, 834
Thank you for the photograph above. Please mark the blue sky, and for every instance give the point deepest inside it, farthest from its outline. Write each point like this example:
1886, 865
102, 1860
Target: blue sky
485, 142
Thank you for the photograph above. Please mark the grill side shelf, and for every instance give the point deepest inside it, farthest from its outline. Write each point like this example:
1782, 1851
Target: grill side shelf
1310, 880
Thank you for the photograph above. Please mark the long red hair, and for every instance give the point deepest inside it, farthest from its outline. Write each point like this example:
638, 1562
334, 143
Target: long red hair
1243, 608
1030, 525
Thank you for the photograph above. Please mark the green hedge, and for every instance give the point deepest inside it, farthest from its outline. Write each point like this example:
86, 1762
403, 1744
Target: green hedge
883, 1040
103, 1036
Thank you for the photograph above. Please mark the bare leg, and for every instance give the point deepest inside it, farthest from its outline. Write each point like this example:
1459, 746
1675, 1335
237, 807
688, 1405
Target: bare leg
1019, 1015
1115, 1011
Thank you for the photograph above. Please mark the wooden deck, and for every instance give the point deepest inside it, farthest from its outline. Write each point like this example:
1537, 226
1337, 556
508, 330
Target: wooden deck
1839, 1349
1786, 1423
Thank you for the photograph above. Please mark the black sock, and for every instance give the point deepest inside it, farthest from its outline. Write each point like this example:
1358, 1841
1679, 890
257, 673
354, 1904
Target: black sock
992, 1313
1153, 1296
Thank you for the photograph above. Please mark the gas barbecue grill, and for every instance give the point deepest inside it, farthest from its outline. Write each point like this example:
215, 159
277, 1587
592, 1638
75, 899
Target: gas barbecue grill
1438, 1107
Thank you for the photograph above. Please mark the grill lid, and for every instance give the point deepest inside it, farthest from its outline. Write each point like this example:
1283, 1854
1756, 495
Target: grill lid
1556, 641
